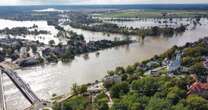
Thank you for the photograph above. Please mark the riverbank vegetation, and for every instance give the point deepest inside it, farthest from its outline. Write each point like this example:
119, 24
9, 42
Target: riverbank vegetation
138, 91
22, 31
77, 45
113, 28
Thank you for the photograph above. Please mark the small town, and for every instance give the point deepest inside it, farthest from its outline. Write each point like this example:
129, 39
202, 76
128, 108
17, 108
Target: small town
103, 55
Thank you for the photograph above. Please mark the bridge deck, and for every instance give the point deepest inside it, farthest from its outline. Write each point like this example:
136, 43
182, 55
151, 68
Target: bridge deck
22, 86
2, 100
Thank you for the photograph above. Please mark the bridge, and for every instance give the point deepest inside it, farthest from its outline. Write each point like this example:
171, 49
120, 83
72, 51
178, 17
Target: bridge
2, 98
37, 104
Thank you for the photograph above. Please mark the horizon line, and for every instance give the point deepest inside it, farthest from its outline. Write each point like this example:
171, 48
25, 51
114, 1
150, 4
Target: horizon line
106, 4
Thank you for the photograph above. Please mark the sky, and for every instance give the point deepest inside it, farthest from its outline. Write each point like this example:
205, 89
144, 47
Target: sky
83, 2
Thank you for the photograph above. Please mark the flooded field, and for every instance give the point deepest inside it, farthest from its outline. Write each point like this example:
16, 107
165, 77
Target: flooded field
58, 78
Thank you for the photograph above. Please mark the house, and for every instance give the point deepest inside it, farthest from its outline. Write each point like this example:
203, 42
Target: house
152, 64
199, 88
95, 88
165, 62
205, 63
111, 79
154, 72
29, 61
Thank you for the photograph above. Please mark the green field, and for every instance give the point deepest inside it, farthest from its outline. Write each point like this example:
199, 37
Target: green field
151, 13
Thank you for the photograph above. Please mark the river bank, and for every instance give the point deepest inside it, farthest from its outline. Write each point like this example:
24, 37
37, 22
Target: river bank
58, 78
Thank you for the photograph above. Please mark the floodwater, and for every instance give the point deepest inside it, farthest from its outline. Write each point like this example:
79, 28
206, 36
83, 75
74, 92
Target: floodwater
42, 25
58, 78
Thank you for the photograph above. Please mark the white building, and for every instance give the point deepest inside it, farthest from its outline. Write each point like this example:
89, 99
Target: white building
174, 64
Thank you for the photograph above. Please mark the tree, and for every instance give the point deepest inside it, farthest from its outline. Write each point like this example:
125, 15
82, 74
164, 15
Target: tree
198, 68
158, 104
102, 105
75, 89
34, 48
83, 89
130, 69
119, 106
155, 30
76, 103
119, 70
118, 89
175, 94
136, 106
179, 106
146, 86
133, 101
196, 102
51, 42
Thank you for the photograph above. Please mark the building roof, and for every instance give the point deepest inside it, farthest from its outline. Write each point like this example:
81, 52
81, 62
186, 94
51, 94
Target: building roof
205, 63
198, 87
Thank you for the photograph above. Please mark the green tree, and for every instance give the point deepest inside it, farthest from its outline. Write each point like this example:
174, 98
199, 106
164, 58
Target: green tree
179, 106
158, 104
198, 68
102, 105
120, 70
146, 86
196, 102
75, 89
119, 89
130, 69
34, 48
119, 106
51, 42
76, 103
175, 94
83, 88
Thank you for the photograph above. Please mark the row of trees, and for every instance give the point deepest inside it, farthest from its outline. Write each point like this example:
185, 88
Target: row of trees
113, 28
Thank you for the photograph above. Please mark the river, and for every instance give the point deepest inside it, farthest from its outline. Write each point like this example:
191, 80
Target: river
58, 78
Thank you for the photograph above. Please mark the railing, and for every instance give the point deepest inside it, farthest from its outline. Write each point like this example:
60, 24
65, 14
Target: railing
22, 86
25, 89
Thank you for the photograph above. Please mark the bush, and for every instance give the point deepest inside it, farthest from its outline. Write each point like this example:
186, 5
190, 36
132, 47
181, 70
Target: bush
119, 89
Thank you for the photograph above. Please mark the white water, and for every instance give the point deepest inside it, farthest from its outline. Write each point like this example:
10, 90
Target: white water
42, 25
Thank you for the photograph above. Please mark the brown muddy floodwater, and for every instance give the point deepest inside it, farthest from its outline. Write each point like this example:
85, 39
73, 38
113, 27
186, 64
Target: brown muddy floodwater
58, 78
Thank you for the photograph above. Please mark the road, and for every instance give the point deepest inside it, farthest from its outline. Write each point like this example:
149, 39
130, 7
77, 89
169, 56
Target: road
2, 100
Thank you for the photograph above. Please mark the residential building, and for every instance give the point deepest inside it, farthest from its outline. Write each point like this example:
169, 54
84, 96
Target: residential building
199, 88
111, 79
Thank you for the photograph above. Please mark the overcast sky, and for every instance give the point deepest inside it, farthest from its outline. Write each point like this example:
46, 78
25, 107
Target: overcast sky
68, 2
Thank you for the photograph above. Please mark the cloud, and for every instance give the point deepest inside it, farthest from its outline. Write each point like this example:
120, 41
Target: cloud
45, 2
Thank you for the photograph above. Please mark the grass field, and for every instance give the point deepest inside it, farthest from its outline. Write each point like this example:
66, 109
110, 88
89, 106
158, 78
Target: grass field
151, 13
